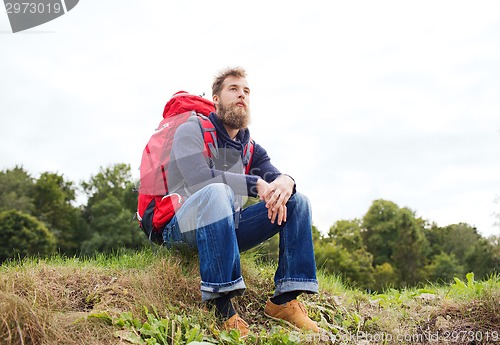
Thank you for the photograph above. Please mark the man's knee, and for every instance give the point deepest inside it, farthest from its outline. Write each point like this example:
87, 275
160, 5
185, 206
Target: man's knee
300, 202
219, 192
211, 204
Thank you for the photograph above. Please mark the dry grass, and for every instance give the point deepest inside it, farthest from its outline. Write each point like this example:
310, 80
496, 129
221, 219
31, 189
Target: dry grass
53, 301
49, 302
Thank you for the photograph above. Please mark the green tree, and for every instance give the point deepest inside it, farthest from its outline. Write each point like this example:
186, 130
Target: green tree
110, 210
22, 235
343, 252
462, 241
347, 233
16, 190
52, 197
385, 277
112, 227
443, 268
494, 242
409, 251
116, 181
396, 237
354, 267
456, 239
482, 260
380, 229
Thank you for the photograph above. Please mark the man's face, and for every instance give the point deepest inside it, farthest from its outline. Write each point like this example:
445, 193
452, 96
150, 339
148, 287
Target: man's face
233, 103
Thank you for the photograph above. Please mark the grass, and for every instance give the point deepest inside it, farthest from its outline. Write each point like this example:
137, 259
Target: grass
153, 297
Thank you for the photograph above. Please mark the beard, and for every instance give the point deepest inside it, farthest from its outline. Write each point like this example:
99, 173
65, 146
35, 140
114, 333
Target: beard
233, 116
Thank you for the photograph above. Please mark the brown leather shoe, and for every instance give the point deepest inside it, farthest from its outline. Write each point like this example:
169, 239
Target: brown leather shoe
236, 322
293, 313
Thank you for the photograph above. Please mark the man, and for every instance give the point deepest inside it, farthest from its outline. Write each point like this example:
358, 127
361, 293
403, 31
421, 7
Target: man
211, 221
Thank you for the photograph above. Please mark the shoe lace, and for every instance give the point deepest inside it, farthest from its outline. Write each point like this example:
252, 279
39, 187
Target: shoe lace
239, 322
302, 308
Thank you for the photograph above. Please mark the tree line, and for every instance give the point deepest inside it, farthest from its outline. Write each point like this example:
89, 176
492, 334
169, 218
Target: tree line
388, 247
391, 247
39, 216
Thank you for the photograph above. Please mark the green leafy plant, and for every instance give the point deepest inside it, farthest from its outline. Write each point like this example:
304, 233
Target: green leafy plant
158, 330
470, 288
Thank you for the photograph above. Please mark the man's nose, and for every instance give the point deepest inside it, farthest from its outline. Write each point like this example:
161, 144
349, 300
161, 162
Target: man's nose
241, 94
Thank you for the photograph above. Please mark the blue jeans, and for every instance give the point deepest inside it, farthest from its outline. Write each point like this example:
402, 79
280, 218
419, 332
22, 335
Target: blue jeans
211, 231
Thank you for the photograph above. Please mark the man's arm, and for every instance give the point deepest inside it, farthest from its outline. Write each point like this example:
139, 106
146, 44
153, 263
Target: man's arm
187, 149
274, 187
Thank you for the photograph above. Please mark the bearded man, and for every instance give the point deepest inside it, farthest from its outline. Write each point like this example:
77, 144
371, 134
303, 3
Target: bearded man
212, 221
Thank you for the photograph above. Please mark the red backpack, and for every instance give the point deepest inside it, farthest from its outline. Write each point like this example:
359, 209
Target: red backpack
156, 207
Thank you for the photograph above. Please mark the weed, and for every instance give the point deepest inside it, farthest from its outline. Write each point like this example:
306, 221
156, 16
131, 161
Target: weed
158, 330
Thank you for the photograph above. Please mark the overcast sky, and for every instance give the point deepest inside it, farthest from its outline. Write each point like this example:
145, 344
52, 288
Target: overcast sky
357, 100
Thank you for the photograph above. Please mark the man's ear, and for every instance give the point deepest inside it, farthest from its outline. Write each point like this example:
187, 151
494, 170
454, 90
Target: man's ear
215, 98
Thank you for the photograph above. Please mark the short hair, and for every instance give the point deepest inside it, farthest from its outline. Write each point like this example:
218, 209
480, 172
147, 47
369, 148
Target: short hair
238, 72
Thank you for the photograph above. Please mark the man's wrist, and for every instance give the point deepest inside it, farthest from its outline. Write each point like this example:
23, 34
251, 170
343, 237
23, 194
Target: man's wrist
260, 186
294, 189
290, 177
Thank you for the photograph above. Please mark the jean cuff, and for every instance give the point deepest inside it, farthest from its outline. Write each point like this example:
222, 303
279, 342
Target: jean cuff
287, 285
214, 290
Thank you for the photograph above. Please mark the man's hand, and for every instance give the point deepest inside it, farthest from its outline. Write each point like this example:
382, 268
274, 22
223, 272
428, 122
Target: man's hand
282, 189
276, 195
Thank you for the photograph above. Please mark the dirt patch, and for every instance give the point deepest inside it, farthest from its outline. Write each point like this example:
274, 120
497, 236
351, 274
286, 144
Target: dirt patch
476, 322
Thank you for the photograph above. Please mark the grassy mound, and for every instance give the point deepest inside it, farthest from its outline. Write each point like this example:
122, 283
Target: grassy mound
153, 297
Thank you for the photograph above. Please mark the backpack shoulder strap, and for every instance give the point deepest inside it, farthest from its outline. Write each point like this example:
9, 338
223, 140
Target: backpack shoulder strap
248, 155
209, 135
